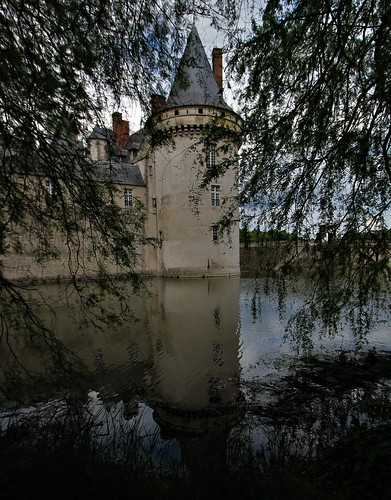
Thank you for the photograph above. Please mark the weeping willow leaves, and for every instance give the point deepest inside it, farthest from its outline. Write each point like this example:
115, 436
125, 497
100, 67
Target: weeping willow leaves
61, 63
317, 100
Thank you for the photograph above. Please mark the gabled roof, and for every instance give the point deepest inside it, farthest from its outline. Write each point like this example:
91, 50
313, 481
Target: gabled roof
194, 82
101, 133
135, 140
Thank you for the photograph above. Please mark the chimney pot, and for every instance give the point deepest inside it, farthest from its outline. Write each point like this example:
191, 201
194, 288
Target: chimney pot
117, 118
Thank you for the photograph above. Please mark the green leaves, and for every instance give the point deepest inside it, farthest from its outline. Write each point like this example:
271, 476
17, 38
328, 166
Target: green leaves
60, 62
317, 108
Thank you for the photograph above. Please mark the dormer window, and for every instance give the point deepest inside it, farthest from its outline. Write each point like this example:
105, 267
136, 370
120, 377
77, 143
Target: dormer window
176, 112
200, 111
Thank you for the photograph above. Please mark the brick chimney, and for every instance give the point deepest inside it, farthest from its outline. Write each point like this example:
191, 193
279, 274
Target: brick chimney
217, 63
120, 130
157, 102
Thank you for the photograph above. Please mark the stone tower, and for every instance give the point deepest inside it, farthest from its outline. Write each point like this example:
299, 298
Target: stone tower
200, 138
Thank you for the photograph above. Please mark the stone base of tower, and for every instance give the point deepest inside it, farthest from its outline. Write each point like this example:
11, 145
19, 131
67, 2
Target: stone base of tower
199, 273
201, 269
193, 257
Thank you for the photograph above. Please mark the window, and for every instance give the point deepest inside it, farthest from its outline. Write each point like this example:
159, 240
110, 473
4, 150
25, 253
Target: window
48, 192
215, 231
211, 156
49, 188
200, 111
128, 197
218, 354
215, 195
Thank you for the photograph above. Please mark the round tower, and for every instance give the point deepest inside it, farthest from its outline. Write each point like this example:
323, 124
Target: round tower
191, 172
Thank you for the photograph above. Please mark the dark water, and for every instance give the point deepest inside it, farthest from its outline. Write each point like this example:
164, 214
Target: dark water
194, 372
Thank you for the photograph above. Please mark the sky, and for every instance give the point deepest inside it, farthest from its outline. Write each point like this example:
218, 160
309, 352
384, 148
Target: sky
210, 38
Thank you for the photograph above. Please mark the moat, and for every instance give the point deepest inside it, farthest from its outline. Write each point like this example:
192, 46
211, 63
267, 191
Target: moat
202, 378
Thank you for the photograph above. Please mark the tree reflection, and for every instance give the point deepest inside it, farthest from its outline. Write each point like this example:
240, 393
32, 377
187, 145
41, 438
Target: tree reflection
165, 398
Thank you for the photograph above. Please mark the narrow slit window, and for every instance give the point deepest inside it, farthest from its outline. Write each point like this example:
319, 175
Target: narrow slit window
128, 197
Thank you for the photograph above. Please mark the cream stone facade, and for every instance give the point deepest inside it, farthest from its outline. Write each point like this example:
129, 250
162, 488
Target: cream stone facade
192, 133
181, 216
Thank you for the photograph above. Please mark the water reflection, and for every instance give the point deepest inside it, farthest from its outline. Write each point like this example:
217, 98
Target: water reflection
195, 352
181, 356
195, 342
178, 372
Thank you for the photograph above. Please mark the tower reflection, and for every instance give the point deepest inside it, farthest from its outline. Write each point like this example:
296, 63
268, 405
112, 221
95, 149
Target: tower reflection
195, 345
180, 359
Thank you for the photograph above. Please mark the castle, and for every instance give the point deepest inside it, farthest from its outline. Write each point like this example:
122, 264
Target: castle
199, 134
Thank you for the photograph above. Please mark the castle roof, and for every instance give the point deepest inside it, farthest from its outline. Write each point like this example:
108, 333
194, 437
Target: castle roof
194, 83
101, 133
135, 140
121, 173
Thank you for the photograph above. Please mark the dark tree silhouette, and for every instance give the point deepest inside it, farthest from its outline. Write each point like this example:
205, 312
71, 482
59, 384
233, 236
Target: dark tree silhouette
61, 62
317, 102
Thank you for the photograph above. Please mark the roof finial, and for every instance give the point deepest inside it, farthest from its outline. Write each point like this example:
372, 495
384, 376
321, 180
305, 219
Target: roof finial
194, 15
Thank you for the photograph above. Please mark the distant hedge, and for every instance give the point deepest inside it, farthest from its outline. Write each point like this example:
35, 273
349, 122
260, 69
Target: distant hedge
256, 236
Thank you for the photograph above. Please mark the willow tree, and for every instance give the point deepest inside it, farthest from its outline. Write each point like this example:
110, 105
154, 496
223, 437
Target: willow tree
317, 102
61, 63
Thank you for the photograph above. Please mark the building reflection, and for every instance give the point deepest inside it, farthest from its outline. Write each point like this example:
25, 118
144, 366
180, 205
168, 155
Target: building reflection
195, 351
196, 365
181, 357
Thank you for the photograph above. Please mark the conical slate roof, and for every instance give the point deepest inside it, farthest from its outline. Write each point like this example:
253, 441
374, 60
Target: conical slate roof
194, 82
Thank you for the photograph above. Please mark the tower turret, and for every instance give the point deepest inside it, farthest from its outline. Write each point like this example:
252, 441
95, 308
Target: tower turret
192, 178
